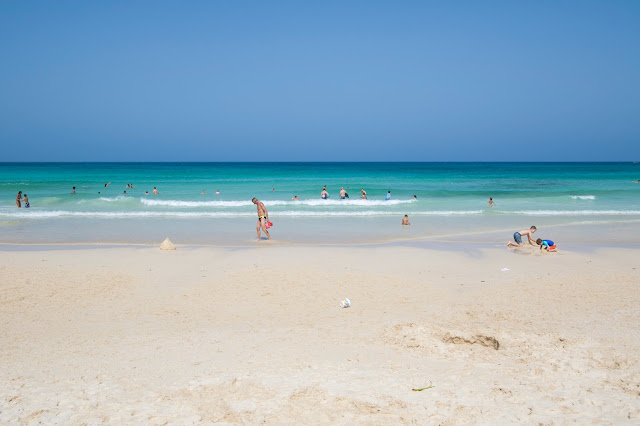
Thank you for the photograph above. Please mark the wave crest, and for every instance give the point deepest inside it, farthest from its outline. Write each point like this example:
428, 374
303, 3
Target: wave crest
241, 203
583, 197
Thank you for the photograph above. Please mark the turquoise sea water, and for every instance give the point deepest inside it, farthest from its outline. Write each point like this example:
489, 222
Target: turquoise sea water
451, 199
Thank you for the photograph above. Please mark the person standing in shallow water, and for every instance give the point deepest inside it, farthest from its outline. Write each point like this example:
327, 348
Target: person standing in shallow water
263, 217
491, 203
18, 199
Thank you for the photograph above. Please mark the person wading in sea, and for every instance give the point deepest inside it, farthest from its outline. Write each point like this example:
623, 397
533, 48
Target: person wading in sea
263, 217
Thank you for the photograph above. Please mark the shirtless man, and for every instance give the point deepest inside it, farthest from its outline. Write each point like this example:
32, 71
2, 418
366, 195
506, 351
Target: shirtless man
405, 220
155, 191
263, 217
343, 193
518, 237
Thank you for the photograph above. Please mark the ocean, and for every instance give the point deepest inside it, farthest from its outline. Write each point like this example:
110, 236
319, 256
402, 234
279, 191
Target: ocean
451, 201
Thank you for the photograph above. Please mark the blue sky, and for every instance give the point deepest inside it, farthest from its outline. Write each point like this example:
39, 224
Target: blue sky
320, 81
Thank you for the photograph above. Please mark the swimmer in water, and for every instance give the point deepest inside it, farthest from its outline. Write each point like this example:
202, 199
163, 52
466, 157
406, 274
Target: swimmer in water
491, 203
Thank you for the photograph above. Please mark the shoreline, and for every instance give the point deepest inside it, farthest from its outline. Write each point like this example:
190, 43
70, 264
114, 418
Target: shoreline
435, 245
301, 232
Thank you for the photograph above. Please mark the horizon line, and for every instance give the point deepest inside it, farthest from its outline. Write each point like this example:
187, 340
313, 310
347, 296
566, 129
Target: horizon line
317, 162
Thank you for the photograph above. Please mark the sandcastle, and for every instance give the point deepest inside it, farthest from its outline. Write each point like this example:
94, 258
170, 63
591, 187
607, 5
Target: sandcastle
167, 245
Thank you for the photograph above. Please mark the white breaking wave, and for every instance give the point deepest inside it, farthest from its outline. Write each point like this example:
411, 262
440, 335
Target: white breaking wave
43, 214
583, 197
349, 202
576, 212
142, 214
240, 203
178, 203
112, 199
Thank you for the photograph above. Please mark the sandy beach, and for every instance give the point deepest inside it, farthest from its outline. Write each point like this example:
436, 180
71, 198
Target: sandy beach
136, 335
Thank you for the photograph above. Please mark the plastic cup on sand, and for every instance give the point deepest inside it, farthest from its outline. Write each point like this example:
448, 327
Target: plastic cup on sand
345, 303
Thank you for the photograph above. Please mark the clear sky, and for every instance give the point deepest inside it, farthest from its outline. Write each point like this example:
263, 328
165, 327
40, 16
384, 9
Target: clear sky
320, 81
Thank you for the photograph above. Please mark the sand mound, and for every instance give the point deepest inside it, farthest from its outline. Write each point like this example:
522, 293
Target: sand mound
480, 339
167, 245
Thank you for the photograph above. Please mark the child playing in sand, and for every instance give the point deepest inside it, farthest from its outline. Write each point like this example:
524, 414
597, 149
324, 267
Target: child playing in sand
405, 220
517, 237
548, 245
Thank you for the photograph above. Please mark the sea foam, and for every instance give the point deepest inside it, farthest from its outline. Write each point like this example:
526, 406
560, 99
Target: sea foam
242, 203
42, 214
583, 197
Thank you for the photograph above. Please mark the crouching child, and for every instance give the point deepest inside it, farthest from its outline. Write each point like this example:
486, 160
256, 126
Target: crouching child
547, 245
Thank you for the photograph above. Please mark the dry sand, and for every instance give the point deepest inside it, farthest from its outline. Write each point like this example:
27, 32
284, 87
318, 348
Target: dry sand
144, 336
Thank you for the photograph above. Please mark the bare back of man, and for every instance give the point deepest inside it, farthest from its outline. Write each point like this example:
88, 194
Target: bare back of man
517, 236
263, 218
